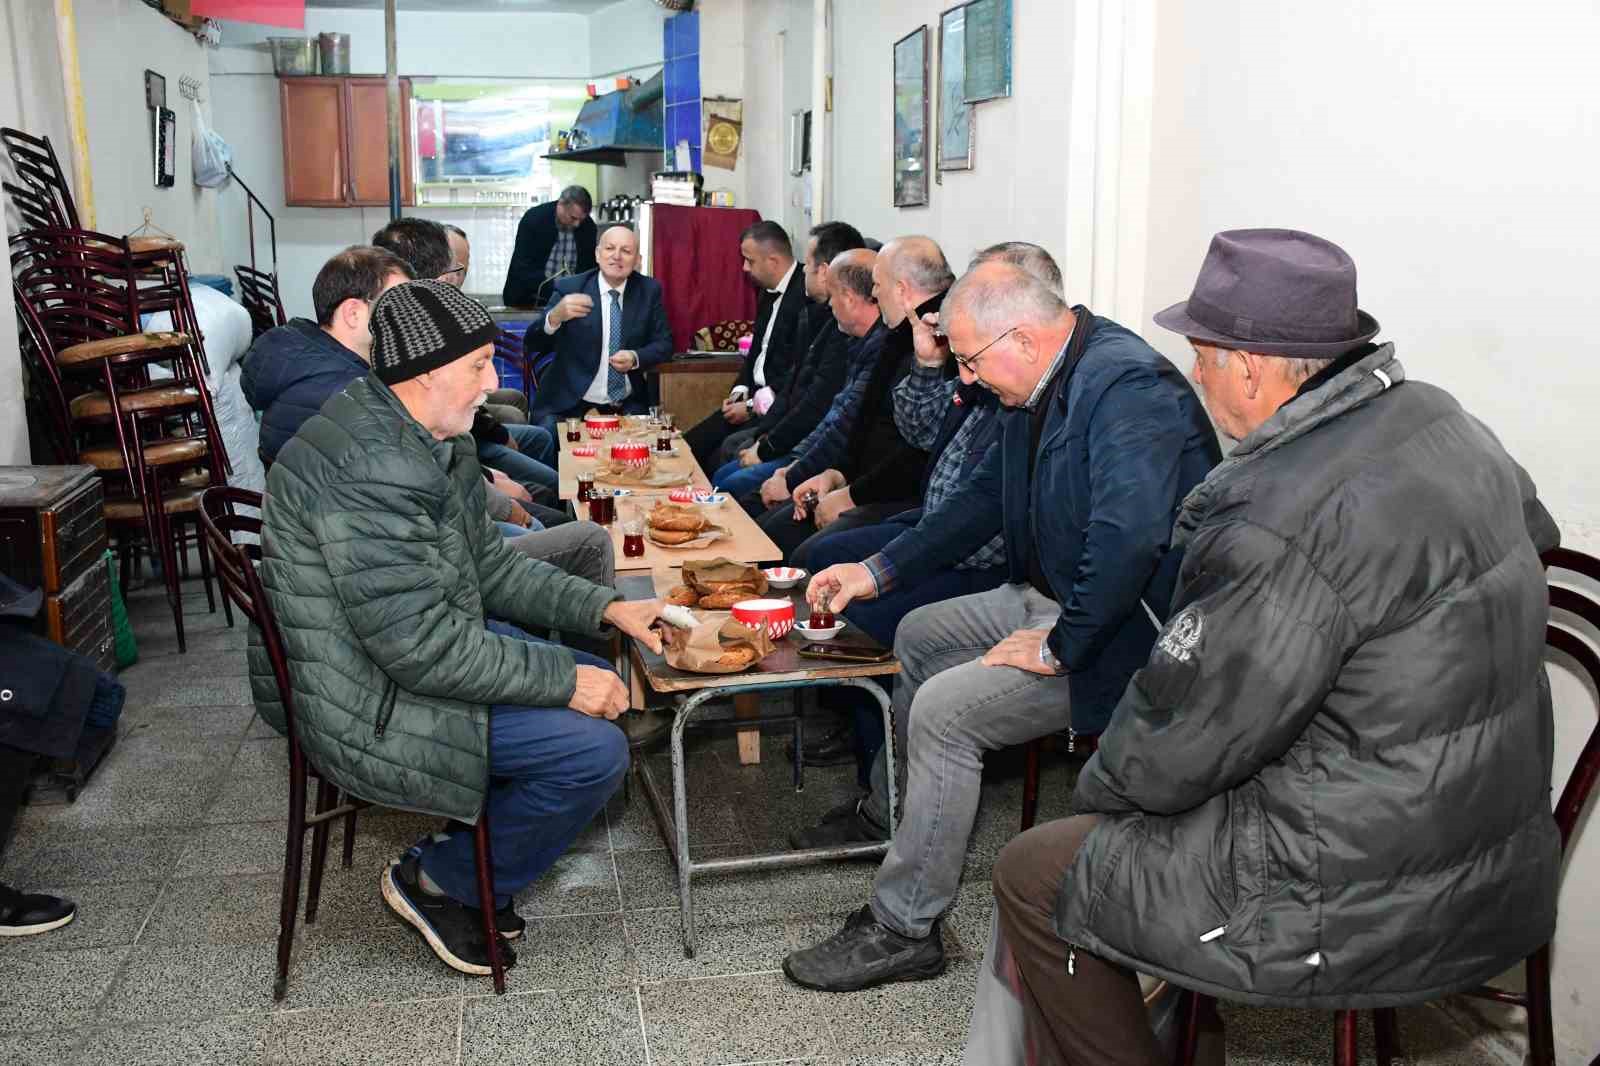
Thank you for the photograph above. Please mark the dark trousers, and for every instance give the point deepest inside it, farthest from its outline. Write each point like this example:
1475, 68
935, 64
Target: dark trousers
791, 534
551, 770
706, 437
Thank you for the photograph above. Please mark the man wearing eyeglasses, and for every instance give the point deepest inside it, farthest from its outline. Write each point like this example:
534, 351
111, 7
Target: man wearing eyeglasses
1101, 440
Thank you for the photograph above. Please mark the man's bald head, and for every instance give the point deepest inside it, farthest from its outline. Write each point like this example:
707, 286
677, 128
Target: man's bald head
909, 271
1006, 326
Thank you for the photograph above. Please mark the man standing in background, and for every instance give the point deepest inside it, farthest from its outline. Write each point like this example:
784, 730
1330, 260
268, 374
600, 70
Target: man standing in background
554, 240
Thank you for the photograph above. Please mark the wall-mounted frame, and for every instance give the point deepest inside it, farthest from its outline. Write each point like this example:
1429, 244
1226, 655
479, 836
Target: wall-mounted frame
988, 49
955, 148
911, 62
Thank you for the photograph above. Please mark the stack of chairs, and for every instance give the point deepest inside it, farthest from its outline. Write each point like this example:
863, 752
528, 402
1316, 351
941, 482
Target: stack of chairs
131, 403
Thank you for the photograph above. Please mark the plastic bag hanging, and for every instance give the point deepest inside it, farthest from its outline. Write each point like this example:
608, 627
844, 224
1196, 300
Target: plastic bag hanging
211, 153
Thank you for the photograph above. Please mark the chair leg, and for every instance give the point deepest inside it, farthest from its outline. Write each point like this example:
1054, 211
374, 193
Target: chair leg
327, 799
293, 853
1345, 1048
205, 566
1386, 1034
1541, 1026
349, 840
491, 935
169, 557
1030, 783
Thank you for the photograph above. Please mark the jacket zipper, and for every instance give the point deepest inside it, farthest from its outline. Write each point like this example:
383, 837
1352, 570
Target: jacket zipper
386, 709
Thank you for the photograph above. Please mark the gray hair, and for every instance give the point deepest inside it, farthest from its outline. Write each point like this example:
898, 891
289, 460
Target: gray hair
1029, 257
920, 262
577, 194
1296, 370
852, 271
999, 296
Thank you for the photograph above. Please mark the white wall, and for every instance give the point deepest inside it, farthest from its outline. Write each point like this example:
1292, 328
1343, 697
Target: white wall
1455, 159
625, 37
778, 41
1018, 190
724, 55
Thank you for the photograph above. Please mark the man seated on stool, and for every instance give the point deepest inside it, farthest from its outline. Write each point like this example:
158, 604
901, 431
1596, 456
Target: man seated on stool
1328, 786
606, 326
1101, 440
383, 572
769, 262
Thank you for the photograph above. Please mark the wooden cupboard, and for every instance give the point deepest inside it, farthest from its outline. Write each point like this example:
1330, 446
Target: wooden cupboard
336, 141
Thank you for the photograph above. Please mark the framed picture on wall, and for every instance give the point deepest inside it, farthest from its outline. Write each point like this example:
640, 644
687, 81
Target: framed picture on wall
911, 55
988, 46
954, 147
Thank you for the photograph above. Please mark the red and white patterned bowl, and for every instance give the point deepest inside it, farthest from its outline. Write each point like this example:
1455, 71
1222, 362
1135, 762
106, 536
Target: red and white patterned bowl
776, 615
683, 495
634, 454
584, 451
784, 577
601, 425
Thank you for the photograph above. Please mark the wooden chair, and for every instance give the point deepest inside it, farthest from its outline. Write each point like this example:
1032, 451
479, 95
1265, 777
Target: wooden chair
1083, 744
236, 568
42, 195
258, 292
1574, 796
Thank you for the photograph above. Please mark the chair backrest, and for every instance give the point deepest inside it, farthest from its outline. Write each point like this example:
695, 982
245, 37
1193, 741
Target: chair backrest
88, 286
39, 171
241, 583
44, 377
258, 292
1585, 606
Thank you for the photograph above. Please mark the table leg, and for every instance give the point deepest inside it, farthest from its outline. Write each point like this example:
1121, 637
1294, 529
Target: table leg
748, 705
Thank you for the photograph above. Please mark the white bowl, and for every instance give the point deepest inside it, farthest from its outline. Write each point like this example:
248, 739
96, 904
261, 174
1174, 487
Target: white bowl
784, 577
821, 634
710, 498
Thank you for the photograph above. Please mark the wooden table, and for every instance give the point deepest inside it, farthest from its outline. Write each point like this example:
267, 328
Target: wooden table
693, 388
782, 670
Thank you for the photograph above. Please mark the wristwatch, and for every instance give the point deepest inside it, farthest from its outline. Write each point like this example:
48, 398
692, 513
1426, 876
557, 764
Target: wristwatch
1048, 657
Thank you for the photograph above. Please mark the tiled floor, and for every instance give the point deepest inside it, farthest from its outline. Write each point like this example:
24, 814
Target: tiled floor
174, 854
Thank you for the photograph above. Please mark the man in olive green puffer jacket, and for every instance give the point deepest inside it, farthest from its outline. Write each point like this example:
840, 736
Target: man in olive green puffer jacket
383, 572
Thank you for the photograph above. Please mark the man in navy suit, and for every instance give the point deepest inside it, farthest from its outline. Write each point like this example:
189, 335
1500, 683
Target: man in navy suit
606, 326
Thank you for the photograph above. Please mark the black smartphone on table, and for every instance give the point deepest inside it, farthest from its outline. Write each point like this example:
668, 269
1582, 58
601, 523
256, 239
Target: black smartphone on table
844, 653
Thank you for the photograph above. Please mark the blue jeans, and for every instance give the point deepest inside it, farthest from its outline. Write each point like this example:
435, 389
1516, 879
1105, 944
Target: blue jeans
738, 480
880, 618
530, 463
551, 771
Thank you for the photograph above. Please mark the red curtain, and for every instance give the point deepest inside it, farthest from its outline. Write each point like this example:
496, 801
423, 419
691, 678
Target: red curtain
695, 256
288, 13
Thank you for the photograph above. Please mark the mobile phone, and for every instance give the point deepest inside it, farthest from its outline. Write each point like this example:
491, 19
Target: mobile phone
844, 653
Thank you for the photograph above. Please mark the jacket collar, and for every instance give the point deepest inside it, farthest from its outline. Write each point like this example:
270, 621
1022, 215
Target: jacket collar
1338, 395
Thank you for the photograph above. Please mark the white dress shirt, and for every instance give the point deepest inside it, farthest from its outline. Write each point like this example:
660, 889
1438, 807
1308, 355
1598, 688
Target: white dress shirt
760, 371
597, 386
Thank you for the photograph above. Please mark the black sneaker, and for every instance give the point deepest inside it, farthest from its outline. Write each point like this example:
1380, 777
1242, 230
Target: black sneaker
510, 924
452, 930
866, 953
29, 915
845, 824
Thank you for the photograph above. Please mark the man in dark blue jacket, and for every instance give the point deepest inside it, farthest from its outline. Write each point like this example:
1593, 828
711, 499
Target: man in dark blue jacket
1100, 441
292, 369
554, 240
606, 326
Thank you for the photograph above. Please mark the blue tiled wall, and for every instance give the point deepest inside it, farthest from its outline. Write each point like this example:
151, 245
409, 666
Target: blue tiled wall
680, 46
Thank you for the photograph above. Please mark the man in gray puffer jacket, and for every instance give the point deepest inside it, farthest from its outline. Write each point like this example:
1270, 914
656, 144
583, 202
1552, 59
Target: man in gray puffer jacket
1329, 786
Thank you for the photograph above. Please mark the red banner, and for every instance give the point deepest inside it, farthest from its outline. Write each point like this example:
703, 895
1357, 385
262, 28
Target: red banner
290, 14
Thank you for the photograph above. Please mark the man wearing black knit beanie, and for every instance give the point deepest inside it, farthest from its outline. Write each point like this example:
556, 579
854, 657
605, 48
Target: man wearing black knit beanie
382, 570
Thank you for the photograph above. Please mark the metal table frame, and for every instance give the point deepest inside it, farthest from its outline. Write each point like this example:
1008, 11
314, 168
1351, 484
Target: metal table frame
674, 824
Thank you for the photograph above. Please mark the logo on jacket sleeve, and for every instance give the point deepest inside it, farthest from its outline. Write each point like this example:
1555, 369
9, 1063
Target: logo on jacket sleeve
1182, 634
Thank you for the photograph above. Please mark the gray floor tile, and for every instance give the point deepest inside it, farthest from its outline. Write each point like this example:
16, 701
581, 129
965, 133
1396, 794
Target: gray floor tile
572, 1028
260, 730
52, 1048
108, 916
165, 755
55, 989
91, 856
262, 757
969, 918
906, 1057
233, 909
238, 848
579, 951
174, 686
713, 819
257, 798
728, 941
163, 983
919, 1014
649, 881
144, 799
401, 1034
388, 964
733, 1019
580, 882
201, 721
210, 1042
154, 642
826, 888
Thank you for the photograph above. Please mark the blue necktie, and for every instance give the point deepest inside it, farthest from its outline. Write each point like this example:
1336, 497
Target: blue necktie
616, 383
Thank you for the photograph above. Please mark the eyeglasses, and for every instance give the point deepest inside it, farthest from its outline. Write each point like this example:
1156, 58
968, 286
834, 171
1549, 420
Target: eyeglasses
455, 270
969, 363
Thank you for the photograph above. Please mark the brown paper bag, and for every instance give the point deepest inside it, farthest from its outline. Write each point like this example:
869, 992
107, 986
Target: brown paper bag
706, 575
700, 650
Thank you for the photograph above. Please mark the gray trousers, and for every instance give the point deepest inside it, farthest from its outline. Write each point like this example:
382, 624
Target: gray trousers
582, 549
948, 710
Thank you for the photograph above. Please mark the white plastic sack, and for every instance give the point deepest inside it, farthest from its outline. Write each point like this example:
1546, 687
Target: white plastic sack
211, 153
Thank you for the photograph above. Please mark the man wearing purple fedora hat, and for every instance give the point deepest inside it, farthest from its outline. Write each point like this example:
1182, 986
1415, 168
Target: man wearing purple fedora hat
1329, 784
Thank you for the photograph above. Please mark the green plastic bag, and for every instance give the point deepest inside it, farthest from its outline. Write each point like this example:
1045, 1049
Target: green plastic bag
127, 648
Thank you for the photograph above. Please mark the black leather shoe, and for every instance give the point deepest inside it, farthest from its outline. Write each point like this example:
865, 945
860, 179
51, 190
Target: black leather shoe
833, 748
452, 930
644, 728
864, 954
27, 914
845, 824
